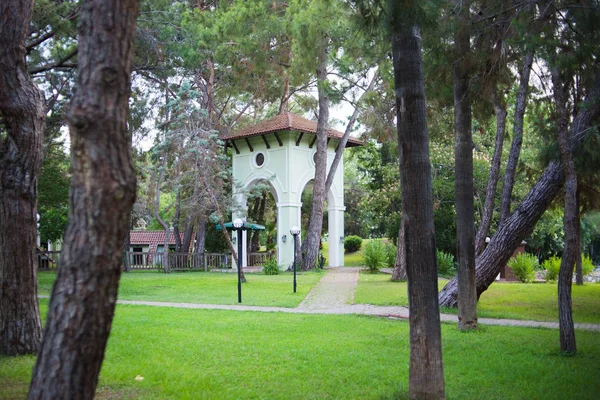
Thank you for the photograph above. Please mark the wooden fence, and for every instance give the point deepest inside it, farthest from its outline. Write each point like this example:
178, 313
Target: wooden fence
50, 260
177, 261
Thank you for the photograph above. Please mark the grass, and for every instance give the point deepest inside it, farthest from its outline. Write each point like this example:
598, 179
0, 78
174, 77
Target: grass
215, 354
207, 287
534, 301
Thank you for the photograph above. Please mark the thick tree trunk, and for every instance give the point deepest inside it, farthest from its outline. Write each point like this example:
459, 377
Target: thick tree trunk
517, 141
463, 156
521, 223
571, 216
22, 119
313, 235
399, 272
103, 187
426, 372
490, 192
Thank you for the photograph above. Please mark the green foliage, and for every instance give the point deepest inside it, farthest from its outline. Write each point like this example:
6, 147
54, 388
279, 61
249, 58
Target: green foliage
390, 255
352, 243
551, 268
587, 266
215, 240
271, 267
524, 266
445, 263
374, 255
53, 200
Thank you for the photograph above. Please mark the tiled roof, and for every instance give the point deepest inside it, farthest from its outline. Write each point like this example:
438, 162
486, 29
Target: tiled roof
151, 237
287, 121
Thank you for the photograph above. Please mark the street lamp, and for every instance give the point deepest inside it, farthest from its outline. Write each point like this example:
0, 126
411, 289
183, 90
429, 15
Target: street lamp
238, 224
295, 231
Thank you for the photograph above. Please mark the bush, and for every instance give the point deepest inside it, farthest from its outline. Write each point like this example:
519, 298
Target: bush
390, 255
374, 255
551, 268
524, 266
587, 266
445, 263
271, 267
352, 243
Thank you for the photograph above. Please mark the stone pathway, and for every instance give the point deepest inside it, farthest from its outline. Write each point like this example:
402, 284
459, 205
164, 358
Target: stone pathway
334, 294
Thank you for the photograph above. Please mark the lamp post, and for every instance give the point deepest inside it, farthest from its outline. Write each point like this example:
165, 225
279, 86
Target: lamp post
238, 224
295, 231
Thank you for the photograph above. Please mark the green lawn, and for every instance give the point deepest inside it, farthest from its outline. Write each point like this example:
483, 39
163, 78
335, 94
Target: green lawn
207, 287
215, 354
535, 301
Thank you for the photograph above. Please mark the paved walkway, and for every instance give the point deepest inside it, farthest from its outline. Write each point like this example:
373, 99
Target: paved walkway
334, 294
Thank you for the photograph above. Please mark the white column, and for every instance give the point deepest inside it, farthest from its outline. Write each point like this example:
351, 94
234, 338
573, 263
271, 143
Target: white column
288, 215
336, 235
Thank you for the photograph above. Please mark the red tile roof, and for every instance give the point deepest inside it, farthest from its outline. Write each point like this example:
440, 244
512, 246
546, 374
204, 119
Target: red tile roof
287, 121
151, 238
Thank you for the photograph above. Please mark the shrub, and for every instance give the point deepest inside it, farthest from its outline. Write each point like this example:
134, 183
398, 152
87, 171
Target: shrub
445, 262
374, 255
352, 243
271, 267
390, 255
551, 268
524, 266
587, 266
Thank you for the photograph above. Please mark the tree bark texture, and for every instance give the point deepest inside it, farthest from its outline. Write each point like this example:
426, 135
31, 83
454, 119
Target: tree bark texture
490, 192
517, 141
313, 235
426, 372
163, 224
463, 156
571, 216
22, 119
521, 223
103, 187
399, 272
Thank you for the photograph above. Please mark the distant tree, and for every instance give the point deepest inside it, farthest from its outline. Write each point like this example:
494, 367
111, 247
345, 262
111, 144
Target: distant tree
103, 190
22, 119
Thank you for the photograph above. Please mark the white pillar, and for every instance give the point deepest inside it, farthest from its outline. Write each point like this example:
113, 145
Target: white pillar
336, 235
288, 215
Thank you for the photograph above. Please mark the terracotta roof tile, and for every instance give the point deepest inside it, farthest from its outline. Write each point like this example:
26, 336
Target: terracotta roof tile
287, 121
151, 237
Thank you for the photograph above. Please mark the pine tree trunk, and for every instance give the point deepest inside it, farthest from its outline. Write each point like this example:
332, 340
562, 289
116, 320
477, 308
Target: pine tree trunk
22, 119
517, 141
490, 192
426, 372
163, 224
520, 224
399, 272
313, 236
103, 187
463, 156
571, 216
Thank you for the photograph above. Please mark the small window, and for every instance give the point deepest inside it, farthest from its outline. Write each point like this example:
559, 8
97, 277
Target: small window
260, 159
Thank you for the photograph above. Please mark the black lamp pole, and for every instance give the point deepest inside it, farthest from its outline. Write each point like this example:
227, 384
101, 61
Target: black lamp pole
238, 224
239, 239
295, 232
